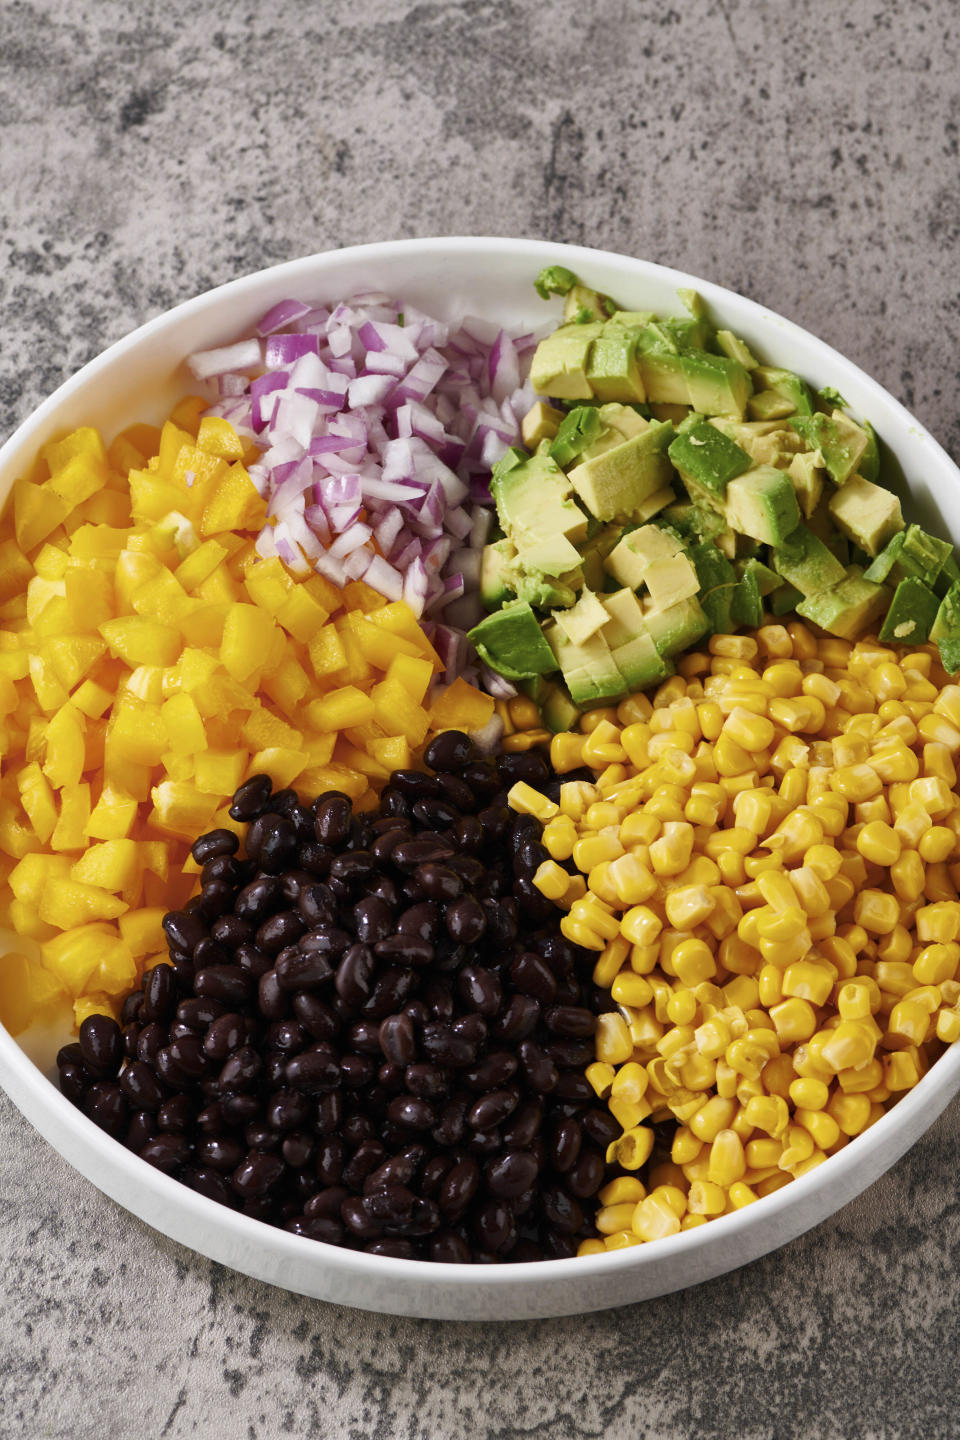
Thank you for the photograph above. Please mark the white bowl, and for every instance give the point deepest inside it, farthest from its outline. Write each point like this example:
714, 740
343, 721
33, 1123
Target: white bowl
140, 378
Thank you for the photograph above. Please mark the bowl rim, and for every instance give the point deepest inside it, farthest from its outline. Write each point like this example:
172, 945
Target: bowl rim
20, 1074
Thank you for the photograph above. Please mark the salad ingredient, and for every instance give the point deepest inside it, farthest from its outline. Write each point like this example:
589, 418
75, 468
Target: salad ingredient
783, 506
151, 660
370, 1030
377, 427
766, 866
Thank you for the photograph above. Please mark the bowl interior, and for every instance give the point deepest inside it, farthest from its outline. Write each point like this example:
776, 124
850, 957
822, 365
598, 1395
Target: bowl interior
140, 378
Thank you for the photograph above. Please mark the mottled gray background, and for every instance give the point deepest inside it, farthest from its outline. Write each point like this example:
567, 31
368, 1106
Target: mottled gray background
804, 154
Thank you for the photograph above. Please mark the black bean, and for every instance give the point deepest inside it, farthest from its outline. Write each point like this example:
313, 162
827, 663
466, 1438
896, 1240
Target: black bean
523, 1127
397, 1039
367, 1158
140, 1086
241, 1069
226, 983
539, 1069
316, 1016
199, 1014
450, 751
330, 1155
314, 1071
570, 1020
410, 854
354, 975
405, 948
258, 899
326, 940
273, 1000
166, 1152
532, 976
561, 1211
482, 777
372, 919
465, 920
452, 1124
436, 814
528, 766
288, 1110
257, 1174
188, 1054
280, 930
352, 867
220, 1153
74, 1082
412, 1112
131, 1008
441, 1045
511, 1173
183, 930
492, 1072
333, 813
427, 1082
495, 1227
564, 1144
439, 882
252, 960
303, 969
480, 989
101, 1044
106, 1105
159, 994
493, 1108
251, 798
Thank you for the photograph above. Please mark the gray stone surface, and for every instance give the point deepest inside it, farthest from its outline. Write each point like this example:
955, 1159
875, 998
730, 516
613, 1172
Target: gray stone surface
805, 155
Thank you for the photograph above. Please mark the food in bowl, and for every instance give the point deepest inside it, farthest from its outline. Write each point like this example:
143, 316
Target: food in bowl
664, 1207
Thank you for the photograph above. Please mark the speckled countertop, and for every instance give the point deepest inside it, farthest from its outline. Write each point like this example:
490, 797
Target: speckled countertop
804, 155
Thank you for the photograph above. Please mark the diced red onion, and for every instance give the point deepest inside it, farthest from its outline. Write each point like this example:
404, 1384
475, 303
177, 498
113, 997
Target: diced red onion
283, 313
244, 355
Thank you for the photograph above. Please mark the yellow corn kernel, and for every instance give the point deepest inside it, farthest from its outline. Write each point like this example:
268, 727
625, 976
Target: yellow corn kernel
936, 963
794, 1020
592, 1247
900, 1071
808, 980
566, 753
625, 1189
621, 1240
559, 837
908, 1025
611, 1218
727, 1160
876, 911
613, 1042
688, 906
939, 922
937, 844
848, 1045
880, 844
711, 1118
655, 1219
528, 801
948, 1025
851, 1112
752, 732
600, 1075
551, 880
631, 881
706, 1198
629, 988
693, 962
634, 1147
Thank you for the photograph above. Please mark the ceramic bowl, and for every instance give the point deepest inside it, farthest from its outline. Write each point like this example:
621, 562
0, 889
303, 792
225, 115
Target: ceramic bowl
140, 378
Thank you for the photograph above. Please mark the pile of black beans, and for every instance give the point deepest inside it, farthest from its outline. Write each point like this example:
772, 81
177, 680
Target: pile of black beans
372, 1032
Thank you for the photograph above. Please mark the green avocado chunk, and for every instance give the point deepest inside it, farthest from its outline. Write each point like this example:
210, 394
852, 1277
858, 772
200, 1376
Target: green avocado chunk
746, 606
554, 280
767, 580
560, 361
495, 586
921, 555
676, 627
913, 610
614, 484
880, 568
558, 710
511, 642
866, 513
784, 599
590, 671
578, 429
613, 370
848, 609
841, 442
718, 580
762, 503
787, 385
706, 457
945, 629
538, 514
806, 563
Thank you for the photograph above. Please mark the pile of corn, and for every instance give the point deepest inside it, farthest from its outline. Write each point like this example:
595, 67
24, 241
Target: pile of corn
150, 661
767, 864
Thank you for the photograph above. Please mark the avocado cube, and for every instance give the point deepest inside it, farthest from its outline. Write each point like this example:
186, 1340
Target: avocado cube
806, 472
639, 662
632, 557
624, 617
768, 405
867, 514
880, 568
541, 422
718, 580
945, 629
578, 428
948, 576
921, 555
582, 305
554, 555
767, 580
545, 593
841, 442
806, 563
658, 501
913, 610
762, 504
709, 458
613, 484
558, 711
732, 346
712, 384
589, 670
495, 582
670, 580
511, 642
676, 627
787, 385
560, 362
613, 370
624, 419
583, 619
554, 280
848, 609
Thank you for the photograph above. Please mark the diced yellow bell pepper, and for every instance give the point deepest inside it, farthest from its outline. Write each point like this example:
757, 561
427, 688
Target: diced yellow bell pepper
359, 596
393, 752
200, 564
414, 674
288, 684
138, 641
25, 991
136, 732
78, 479
152, 497
247, 641
113, 816
116, 973
73, 956
217, 437
191, 672
50, 692
69, 831
337, 777
220, 772
73, 656
262, 729
301, 616
183, 725
65, 750
16, 836
29, 878
461, 707
187, 413
377, 645
113, 865
180, 809
66, 903
27, 923
397, 713
327, 655
340, 709
15, 570
146, 684
399, 619
85, 442
163, 598
38, 801
142, 930
281, 764
268, 584
234, 505
37, 512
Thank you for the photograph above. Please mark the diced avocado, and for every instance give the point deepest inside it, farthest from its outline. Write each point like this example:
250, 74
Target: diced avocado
671, 580
554, 280
558, 711
537, 687
806, 472
639, 662
767, 580
654, 504
880, 568
560, 361
589, 670
632, 319
767, 442
787, 385
511, 642
913, 610
613, 370
632, 557
536, 510
762, 503
746, 606
717, 579
495, 587
806, 563
708, 458
869, 466
736, 349
545, 593
866, 514
849, 609
694, 302
541, 422
613, 484
554, 555
784, 599
945, 629
624, 419
583, 619
712, 384
768, 405
841, 442
578, 428
921, 555
676, 627
582, 305
624, 618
